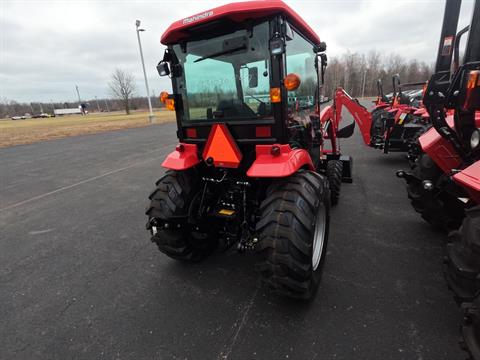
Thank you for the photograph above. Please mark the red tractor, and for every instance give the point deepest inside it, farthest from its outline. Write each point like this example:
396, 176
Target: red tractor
399, 120
445, 151
444, 186
252, 167
394, 124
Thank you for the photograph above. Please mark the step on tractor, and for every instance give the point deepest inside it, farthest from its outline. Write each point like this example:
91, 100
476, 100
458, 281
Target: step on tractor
258, 164
444, 186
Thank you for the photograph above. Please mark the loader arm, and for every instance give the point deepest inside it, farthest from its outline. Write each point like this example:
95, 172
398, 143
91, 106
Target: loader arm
360, 114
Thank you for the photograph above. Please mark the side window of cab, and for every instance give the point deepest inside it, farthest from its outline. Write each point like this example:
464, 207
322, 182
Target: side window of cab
301, 62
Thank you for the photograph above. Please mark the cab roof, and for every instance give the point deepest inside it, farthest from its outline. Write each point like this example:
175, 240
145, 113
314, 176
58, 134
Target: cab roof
237, 12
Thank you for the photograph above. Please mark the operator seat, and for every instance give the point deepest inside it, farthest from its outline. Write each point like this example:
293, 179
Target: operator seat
235, 108
262, 110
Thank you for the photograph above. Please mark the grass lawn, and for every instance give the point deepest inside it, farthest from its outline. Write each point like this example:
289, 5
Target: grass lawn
15, 132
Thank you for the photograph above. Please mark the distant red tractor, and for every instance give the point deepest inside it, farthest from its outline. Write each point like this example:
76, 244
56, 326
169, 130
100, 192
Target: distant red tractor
252, 166
398, 121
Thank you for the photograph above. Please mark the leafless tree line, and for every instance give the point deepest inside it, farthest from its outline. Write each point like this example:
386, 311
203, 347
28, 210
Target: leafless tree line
10, 108
358, 73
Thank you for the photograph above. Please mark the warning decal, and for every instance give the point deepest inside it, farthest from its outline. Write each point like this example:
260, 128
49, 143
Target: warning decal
447, 46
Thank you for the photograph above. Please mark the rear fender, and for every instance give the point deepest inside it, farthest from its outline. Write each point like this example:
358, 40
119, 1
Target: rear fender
440, 150
287, 162
469, 178
183, 158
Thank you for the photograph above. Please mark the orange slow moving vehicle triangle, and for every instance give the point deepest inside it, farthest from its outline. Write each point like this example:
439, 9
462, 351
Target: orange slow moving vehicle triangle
222, 148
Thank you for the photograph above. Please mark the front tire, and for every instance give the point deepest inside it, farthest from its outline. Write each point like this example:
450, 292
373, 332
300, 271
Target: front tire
463, 258
471, 329
334, 176
441, 211
377, 130
169, 202
462, 272
293, 234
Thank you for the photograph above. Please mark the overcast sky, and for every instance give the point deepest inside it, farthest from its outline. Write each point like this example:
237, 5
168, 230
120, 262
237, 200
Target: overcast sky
49, 46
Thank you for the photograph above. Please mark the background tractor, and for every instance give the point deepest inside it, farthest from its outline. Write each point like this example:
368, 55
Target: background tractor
444, 186
398, 120
395, 122
258, 164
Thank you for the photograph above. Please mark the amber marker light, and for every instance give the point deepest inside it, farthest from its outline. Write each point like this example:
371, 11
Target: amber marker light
170, 104
275, 95
163, 97
292, 82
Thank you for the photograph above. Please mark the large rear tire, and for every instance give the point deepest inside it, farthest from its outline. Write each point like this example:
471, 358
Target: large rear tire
441, 212
169, 202
293, 234
471, 329
334, 176
462, 268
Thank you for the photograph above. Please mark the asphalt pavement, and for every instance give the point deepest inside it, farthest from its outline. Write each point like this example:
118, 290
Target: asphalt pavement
79, 278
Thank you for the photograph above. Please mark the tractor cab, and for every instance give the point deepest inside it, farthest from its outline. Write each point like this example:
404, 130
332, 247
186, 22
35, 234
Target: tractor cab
246, 80
254, 67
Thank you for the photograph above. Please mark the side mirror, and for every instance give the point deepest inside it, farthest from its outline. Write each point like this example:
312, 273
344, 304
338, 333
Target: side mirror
253, 77
163, 68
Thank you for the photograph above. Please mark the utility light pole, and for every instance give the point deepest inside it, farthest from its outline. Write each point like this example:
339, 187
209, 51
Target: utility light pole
78, 93
363, 84
98, 106
106, 105
151, 117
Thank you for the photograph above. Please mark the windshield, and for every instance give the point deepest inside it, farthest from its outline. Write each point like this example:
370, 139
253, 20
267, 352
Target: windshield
226, 77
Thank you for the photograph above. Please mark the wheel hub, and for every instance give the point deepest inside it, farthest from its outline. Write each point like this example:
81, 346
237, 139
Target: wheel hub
319, 236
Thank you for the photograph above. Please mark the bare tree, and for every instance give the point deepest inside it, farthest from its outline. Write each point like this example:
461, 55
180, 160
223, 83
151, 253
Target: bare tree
122, 86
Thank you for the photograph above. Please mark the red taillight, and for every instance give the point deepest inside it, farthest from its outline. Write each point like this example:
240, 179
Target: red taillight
191, 133
263, 131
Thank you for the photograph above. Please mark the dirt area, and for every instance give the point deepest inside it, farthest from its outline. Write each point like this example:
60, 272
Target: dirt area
15, 132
